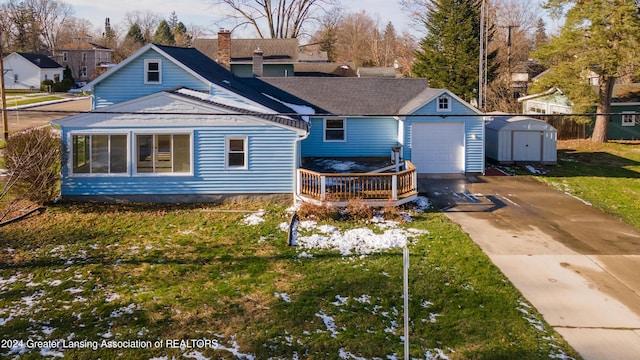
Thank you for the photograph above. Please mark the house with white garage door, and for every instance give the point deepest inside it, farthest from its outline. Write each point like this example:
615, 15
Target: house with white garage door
313, 139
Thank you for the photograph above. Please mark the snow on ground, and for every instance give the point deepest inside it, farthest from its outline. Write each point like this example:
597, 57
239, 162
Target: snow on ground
255, 218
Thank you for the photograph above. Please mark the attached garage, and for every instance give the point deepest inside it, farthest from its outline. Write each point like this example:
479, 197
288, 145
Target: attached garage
512, 139
438, 148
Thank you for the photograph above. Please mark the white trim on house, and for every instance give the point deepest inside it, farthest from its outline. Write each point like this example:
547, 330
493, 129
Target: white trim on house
631, 116
325, 129
228, 151
149, 71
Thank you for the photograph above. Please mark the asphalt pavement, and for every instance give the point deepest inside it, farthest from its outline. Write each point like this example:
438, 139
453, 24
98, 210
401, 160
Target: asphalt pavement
577, 265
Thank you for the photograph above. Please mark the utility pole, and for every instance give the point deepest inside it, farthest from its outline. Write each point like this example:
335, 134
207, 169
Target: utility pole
509, 27
481, 59
5, 120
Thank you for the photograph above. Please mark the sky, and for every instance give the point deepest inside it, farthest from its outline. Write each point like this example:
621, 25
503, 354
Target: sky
204, 14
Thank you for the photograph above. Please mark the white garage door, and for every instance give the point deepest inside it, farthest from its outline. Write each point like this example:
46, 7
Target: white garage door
527, 145
438, 148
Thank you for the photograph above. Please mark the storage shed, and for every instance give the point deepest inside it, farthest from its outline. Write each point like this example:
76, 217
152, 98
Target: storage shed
512, 139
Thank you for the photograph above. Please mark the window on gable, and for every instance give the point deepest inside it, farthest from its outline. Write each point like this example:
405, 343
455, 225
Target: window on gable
65, 57
444, 103
628, 119
163, 153
236, 152
152, 72
83, 72
99, 154
335, 130
15, 78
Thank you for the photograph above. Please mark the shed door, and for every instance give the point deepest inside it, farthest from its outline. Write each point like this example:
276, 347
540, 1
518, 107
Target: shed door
527, 145
438, 148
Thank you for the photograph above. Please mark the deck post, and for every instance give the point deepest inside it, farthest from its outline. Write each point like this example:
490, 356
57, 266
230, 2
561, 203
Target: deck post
323, 187
394, 187
298, 182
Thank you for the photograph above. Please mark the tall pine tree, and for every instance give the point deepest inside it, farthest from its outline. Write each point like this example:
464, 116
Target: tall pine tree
450, 51
164, 35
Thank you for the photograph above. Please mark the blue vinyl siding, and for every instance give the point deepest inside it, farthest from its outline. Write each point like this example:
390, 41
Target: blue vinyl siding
473, 127
271, 168
128, 83
364, 137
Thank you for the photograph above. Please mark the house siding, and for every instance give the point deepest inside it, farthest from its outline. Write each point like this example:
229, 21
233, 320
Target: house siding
619, 132
364, 137
128, 83
473, 127
271, 167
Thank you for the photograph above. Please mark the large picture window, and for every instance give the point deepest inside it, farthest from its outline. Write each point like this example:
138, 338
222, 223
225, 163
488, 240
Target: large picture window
99, 154
152, 72
163, 153
335, 130
237, 153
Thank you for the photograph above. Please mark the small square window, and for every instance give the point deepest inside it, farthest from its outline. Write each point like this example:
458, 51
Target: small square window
444, 103
334, 130
628, 119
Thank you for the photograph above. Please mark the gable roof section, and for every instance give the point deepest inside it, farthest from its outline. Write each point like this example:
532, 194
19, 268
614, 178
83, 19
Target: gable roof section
274, 50
204, 68
346, 96
40, 60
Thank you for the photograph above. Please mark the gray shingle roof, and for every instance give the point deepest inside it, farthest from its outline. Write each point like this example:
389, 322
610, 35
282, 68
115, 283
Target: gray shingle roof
351, 96
274, 50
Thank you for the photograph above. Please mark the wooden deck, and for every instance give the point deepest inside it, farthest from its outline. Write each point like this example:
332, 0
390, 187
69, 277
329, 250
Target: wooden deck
378, 189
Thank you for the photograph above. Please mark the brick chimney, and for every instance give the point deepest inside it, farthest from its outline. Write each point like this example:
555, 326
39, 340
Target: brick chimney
258, 62
224, 48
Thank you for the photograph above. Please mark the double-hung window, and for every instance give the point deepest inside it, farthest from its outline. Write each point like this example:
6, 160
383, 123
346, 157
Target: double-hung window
335, 130
99, 154
236, 153
163, 153
152, 71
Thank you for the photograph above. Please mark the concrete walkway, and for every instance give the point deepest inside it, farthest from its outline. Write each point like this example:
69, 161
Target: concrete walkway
578, 266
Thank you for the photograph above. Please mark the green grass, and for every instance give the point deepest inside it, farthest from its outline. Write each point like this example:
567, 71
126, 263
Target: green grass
32, 100
98, 272
606, 175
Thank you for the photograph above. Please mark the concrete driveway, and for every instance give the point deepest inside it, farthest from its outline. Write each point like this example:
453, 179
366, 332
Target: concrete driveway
578, 266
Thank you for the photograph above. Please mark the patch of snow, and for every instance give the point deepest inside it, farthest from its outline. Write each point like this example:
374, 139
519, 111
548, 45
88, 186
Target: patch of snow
532, 170
255, 218
343, 354
305, 255
438, 355
282, 296
364, 299
422, 203
112, 297
47, 352
195, 355
341, 165
329, 323
340, 300
361, 241
298, 109
74, 290
226, 101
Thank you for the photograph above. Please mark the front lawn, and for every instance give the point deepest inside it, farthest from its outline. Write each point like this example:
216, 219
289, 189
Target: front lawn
209, 282
605, 175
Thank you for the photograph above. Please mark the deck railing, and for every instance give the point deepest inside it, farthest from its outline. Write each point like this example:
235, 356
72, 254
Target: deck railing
394, 187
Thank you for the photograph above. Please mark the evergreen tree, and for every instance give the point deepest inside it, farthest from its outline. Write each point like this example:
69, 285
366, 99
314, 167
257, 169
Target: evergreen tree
541, 34
173, 21
181, 36
600, 37
109, 36
449, 53
135, 36
163, 35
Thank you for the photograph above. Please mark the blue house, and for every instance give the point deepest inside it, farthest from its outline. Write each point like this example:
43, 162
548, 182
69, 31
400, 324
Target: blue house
170, 124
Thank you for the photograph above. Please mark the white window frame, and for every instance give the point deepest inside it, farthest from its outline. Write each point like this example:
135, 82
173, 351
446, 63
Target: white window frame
102, 133
83, 72
134, 153
438, 104
227, 152
626, 114
65, 57
344, 130
147, 62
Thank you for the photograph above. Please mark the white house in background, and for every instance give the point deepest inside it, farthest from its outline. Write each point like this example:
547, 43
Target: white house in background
28, 71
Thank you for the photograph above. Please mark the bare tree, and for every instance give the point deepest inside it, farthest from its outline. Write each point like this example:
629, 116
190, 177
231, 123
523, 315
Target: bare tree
356, 32
36, 24
274, 19
146, 20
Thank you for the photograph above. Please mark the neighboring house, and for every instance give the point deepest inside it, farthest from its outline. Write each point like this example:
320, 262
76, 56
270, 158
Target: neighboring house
86, 59
625, 109
170, 124
28, 71
384, 72
327, 69
278, 56
552, 101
